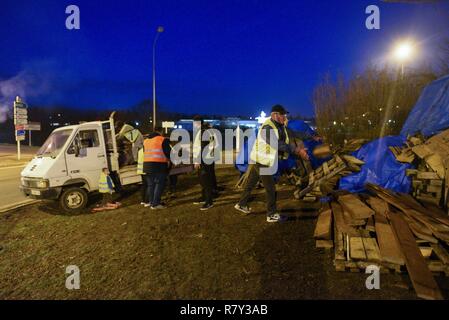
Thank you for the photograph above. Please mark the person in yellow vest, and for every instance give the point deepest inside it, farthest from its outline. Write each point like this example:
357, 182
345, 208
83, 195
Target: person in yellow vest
266, 152
140, 160
156, 163
106, 188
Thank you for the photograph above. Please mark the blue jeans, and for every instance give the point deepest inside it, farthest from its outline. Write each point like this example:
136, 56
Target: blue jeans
155, 187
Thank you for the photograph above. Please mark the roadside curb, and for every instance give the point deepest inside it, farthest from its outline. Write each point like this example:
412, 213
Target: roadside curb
19, 165
17, 205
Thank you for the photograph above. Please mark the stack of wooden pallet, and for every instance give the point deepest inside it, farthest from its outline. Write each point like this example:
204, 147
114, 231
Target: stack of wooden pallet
430, 179
390, 230
324, 179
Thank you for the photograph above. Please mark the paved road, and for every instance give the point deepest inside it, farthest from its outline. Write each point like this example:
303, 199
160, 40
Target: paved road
9, 186
10, 169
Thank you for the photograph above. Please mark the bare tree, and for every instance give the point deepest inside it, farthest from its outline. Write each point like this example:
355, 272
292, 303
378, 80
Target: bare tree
372, 104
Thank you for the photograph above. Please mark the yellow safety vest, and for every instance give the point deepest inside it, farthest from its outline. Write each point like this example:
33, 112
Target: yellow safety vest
140, 158
103, 186
262, 152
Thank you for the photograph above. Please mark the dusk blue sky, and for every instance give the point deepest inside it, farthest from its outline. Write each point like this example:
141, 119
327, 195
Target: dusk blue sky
215, 57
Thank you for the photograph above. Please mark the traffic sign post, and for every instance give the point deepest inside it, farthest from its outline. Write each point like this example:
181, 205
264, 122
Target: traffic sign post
167, 125
20, 120
31, 126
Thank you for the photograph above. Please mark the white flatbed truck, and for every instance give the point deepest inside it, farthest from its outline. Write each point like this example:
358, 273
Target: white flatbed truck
68, 165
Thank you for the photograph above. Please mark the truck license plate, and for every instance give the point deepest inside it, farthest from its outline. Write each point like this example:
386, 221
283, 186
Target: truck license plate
35, 192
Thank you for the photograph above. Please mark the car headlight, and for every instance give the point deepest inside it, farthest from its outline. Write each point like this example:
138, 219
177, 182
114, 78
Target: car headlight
43, 183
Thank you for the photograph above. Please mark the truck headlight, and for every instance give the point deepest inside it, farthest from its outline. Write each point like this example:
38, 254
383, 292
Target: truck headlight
43, 183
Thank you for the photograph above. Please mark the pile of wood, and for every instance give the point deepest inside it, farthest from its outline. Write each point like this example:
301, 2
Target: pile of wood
323, 180
350, 146
430, 179
390, 230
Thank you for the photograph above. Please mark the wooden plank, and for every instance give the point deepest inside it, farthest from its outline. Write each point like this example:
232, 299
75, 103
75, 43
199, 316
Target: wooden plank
420, 230
411, 172
388, 245
340, 222
370, 224
339, 249
378, 205
353, 160
436, 163
355, 206
326, 169
323, 229
352, 222
420, 275
371, 249
435, 182
357, 250
421, 151
326, 244
427, 175
442, 253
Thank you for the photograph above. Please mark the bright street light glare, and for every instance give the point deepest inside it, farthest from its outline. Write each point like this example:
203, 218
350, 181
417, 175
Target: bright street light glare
403, 51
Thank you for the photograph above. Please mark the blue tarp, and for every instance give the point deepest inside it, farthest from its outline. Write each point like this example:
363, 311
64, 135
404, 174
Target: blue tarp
380, 167
429, 116
431, 112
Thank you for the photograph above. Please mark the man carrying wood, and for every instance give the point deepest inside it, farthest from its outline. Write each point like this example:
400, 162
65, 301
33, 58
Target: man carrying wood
272, 144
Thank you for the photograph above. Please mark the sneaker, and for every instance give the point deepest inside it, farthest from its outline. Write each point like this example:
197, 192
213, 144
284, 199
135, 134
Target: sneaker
206, 206
245, 210
142, 203
158, 207
199, 201
146, 205
276, 217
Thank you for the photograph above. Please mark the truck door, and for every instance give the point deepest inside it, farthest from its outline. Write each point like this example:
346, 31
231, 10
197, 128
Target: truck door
86, 156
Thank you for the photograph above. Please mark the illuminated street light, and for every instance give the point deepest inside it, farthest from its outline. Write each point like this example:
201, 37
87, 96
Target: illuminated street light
403, 52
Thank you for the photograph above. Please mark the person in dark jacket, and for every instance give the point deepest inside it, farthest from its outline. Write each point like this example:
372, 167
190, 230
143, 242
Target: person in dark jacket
206, 170
156, 167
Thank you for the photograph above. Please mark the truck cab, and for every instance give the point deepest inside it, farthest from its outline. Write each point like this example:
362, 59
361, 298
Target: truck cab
68, 165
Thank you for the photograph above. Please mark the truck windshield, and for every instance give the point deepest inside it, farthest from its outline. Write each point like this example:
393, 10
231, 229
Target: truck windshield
54, 143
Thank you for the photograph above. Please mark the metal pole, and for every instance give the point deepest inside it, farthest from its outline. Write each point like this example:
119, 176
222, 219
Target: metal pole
159, 30
29, 137
154, 83
18, 149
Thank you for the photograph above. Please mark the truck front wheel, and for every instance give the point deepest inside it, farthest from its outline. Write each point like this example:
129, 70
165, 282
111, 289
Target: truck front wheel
73, 199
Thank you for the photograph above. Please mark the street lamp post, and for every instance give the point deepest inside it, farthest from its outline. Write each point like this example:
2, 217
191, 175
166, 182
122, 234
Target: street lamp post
159, 31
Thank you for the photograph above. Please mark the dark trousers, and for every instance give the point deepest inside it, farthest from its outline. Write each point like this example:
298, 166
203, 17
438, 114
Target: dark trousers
107, 198
117, 184
155, 187
144, 188
206, 174
172, 182
214, 178
268, 183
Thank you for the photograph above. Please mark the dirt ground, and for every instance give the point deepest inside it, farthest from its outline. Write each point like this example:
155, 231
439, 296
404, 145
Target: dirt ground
178, 253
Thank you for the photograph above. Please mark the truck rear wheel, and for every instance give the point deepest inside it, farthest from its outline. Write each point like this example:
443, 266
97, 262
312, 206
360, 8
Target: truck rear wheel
73, 199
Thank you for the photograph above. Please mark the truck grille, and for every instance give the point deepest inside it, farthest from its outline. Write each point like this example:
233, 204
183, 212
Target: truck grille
30, 183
